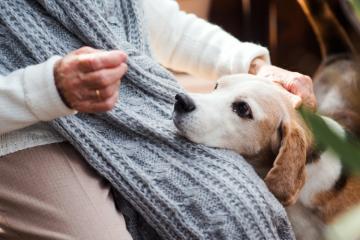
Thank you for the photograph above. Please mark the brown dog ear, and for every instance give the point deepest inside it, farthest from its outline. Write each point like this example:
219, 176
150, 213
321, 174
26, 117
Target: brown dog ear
287, 176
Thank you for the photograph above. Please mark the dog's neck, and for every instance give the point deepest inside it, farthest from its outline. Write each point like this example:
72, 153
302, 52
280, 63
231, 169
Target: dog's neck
263, 161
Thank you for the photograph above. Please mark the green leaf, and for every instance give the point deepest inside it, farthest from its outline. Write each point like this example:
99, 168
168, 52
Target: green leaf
348, 151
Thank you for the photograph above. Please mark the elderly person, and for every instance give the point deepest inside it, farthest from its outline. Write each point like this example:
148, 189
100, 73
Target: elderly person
77, 121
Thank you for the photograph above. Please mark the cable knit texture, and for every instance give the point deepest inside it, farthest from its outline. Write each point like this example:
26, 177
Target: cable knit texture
167, 187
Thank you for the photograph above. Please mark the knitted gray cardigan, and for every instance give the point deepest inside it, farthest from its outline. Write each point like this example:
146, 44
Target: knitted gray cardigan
167, 187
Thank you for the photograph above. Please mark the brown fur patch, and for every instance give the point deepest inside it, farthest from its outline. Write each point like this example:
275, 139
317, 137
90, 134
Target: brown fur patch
332, 203
287, 176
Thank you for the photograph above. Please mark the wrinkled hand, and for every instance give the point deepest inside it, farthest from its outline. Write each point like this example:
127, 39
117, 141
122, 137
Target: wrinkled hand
88, 79
298, 85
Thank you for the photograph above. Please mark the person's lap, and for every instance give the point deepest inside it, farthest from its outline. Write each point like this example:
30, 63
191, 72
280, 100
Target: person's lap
50, 192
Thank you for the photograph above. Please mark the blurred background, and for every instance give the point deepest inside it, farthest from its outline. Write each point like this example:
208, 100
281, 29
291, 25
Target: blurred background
279, 25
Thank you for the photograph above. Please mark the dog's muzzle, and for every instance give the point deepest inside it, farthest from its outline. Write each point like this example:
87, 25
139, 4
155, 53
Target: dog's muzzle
184, 103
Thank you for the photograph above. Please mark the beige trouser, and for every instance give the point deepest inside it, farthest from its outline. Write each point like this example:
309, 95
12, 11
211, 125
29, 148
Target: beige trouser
50, 192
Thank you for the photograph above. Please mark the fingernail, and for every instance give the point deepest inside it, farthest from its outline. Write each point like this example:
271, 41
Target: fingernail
121, 53
124, 65
125, 56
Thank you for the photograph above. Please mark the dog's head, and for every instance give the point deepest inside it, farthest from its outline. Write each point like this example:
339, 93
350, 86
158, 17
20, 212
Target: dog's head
249, 115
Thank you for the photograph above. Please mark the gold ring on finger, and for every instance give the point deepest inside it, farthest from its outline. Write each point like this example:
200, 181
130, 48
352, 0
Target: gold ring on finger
98, 94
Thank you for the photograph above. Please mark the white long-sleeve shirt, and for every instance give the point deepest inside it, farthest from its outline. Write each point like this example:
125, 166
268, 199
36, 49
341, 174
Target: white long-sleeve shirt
178, 40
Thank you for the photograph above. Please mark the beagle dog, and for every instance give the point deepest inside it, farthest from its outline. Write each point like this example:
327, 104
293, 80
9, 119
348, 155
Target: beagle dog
255, 118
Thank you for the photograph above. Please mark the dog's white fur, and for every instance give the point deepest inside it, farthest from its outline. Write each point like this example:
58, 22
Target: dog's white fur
321, 176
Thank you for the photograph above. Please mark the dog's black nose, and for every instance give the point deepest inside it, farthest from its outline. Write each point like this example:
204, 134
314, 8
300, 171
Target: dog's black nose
184, 103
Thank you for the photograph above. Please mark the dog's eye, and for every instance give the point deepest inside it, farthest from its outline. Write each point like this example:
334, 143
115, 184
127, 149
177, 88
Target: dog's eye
216, 86
242, 109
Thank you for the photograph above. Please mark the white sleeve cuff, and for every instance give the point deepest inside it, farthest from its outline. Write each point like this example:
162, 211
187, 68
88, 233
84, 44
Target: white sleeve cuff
41, 94
240, 58
251, 52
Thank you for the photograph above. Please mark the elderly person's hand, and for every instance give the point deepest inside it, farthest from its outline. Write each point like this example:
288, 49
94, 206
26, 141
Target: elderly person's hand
88, 80
298, 85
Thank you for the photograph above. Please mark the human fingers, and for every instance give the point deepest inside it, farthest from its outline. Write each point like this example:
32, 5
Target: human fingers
76, 87
101, 93
85, 50
106, 85
300, 85
91, 106
295, 100
101, 60
103, 78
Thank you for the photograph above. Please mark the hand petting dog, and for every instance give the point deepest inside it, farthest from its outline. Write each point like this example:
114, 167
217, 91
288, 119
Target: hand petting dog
298, 85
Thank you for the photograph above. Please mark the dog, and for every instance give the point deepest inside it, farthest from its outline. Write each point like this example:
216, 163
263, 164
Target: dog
254, 117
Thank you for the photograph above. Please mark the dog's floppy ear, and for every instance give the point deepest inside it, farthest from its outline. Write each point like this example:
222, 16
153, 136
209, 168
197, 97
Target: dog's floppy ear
287, 176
